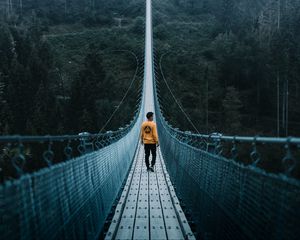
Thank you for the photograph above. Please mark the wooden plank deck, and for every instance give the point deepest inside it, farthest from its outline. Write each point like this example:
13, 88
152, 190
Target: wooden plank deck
148, 207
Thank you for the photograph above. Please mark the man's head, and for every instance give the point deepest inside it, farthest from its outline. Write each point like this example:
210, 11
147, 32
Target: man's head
149, 116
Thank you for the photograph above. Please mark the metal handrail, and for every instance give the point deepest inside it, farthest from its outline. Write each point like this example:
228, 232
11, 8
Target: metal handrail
214, 143
245, 139
46, 138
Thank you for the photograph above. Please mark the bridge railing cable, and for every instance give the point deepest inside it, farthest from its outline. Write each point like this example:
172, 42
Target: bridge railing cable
229, 199
230, 146
69, 199
128, 89
25, 154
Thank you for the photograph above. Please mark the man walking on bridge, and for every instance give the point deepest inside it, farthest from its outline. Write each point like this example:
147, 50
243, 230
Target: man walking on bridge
149, 138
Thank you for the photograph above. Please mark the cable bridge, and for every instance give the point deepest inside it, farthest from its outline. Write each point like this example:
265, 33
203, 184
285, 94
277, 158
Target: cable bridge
196, 191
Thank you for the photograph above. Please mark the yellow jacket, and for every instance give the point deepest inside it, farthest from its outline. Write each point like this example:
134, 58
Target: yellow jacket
149, 133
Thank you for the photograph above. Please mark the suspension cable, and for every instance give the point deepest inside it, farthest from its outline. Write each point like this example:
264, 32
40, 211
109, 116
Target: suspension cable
175, 99
127, 91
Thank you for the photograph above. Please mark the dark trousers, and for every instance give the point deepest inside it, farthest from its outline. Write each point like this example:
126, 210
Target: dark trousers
148, 148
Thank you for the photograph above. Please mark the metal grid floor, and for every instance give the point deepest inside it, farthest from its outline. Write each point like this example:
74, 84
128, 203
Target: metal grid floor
148, 207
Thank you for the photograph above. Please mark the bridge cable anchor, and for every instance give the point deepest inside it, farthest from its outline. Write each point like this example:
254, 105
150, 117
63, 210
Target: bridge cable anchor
68, 150
255, 156
234, 149
219, 147
289, 162
19, 160
48, 155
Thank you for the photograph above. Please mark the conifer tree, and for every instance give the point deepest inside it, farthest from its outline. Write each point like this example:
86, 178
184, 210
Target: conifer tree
232, 105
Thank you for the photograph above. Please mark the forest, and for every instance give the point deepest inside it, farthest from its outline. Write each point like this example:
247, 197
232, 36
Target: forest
233, 65
65, 68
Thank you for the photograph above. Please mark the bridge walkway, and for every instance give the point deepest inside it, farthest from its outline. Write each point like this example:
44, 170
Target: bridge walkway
148, 207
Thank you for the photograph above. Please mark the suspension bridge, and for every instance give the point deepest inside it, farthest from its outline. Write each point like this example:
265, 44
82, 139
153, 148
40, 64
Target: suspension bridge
196, 191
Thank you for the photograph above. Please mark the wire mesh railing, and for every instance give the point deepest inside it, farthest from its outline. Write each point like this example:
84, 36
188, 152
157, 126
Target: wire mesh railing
286, 151
226, 197
230, 200
63, 187
69, 200
26, 154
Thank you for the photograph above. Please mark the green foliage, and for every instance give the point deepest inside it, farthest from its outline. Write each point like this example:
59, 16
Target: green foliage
241, 46
27, 102
7, 49
58, 69
138, 25
86, 89
61, 49
231, 107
